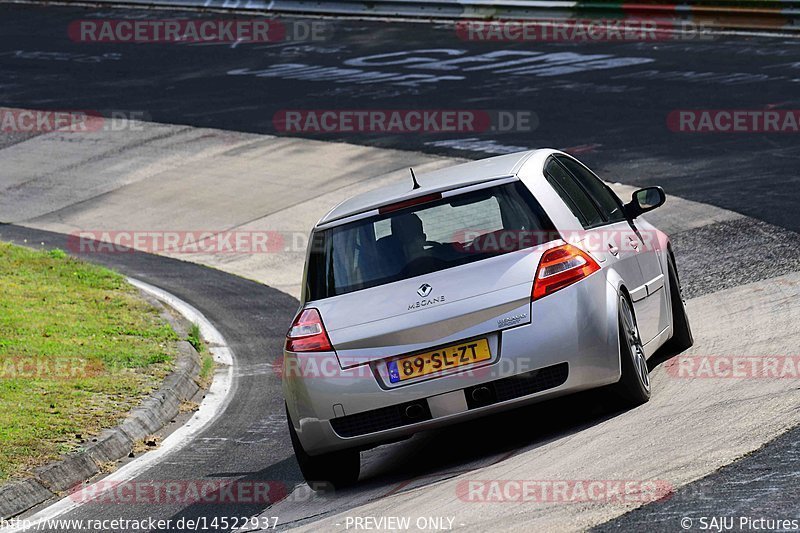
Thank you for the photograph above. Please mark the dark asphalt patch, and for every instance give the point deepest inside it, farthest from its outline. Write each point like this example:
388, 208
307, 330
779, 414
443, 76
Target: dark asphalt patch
733, 253
11, 138
764, 484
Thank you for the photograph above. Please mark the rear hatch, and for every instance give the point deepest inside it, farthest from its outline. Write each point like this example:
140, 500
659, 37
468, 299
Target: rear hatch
424, 274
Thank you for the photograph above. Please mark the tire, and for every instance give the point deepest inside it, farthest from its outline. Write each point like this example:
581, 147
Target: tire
633, 387
336, 469
682, 338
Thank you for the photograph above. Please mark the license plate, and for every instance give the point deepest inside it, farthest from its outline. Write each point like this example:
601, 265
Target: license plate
426, 363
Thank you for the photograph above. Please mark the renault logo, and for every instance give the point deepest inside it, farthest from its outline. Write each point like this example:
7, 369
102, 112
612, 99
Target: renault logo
424, 290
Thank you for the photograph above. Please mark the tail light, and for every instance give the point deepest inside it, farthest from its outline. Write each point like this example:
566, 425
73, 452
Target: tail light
409, 203
561, 267
308, 334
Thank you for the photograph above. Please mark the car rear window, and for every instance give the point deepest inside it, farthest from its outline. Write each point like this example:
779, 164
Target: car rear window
425, 238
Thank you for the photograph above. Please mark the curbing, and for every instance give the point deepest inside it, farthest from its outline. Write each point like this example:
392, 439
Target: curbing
155, 413
19, 496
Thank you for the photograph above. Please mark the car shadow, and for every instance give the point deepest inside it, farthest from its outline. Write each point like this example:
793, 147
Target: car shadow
427, 457
660, 358
469, 445
439, 454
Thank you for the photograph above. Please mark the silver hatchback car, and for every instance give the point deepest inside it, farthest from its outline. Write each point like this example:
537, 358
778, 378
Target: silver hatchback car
477, 288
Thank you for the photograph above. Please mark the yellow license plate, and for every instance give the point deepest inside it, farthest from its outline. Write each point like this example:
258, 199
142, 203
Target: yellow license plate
426, 363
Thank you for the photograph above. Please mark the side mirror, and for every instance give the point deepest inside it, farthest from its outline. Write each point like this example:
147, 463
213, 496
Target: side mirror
645, 200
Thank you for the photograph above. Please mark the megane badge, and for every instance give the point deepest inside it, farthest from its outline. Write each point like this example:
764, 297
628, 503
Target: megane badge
424, 290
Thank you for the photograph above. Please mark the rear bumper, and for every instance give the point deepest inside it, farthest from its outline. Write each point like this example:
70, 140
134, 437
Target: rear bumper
570, 345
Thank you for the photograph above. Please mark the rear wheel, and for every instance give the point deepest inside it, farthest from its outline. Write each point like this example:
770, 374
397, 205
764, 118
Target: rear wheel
682, 338
337, 469
634, 384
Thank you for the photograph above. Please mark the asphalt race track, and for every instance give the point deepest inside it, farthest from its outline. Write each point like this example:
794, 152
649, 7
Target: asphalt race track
621, 110
615, 119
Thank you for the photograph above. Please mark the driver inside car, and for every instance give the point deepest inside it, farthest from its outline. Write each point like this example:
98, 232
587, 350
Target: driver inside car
407, 229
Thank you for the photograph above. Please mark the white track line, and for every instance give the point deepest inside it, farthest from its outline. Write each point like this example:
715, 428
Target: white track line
215, 401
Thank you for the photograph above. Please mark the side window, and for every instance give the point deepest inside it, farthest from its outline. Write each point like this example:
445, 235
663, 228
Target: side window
605, 199
576, 199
